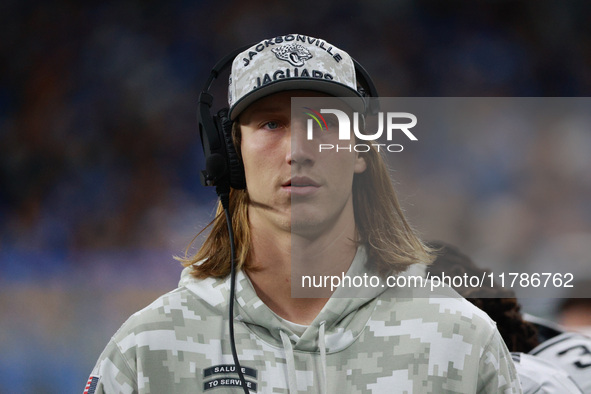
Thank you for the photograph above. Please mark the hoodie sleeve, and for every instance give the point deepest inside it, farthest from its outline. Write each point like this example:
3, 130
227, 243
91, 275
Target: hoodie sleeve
497, 373
112, 374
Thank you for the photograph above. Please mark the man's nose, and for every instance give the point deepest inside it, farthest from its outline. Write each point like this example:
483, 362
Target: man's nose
302, 150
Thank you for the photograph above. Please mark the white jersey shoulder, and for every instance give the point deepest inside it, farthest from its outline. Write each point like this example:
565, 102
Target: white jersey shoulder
572, 352
538, 376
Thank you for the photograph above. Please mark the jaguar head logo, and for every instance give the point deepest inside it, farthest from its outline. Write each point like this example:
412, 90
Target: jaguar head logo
295, 54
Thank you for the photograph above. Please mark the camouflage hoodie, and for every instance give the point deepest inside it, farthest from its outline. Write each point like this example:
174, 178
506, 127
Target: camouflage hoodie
399, 340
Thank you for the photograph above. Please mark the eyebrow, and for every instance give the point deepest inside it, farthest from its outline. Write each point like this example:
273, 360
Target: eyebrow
268, 109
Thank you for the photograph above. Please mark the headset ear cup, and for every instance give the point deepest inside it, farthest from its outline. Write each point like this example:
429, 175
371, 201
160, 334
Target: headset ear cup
237, 177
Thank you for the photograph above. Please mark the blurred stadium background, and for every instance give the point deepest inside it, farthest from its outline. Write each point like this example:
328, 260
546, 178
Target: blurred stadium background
100, 154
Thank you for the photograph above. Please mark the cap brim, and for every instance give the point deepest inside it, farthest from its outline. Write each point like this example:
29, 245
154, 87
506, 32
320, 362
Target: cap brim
331, 88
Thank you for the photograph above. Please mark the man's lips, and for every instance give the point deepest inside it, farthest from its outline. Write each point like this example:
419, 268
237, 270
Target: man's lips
300, 181
301, 186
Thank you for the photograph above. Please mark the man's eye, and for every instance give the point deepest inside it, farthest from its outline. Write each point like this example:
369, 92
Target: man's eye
332, 123
271, 125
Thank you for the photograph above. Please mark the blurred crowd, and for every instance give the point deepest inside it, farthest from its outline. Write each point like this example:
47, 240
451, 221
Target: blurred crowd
100, 153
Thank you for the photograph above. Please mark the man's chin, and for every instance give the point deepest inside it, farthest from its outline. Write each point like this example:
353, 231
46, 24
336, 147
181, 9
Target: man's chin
306, 226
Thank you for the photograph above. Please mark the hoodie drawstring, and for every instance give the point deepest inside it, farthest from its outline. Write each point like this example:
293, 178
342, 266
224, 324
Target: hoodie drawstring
289, 358
322, 345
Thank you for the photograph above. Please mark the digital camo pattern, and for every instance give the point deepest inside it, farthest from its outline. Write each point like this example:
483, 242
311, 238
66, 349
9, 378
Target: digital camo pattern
394, 343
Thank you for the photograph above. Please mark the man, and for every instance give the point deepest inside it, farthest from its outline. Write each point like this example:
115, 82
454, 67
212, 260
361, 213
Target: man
328, 212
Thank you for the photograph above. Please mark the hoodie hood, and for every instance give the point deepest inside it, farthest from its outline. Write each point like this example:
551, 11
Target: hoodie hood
338, 325
342, 319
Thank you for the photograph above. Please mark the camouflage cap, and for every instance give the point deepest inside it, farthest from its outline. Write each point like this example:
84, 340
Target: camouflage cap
290, 62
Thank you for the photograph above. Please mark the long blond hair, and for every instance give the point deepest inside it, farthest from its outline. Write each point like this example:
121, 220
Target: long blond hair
391, 242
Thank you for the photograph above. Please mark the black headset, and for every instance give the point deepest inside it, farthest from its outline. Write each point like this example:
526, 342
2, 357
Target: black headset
223, 166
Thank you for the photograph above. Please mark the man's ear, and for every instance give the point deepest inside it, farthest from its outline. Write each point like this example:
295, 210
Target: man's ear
360, 164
